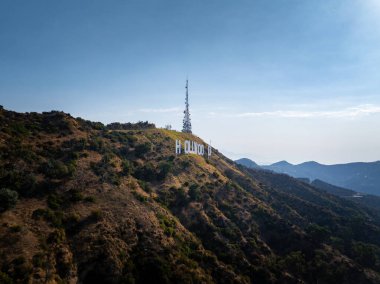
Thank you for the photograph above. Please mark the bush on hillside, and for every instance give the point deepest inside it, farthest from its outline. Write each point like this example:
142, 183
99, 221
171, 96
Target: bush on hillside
57, 169
75, 144
88, 125
165, 168
146, 172
96, 144
5, 278
8, 199
105, 170
127, 167
21, 181
142, 149
366, 254
318, 233
18, 129
195, 193
56, 122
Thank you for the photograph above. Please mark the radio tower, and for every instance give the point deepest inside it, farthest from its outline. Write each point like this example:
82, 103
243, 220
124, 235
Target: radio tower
186, 119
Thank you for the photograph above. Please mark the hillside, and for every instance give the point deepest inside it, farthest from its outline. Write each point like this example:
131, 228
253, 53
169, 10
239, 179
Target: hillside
360, 177
114, 204
336, 190
368, 200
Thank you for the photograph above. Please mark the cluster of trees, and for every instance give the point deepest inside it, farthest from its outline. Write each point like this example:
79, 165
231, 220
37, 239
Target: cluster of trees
130, 126
88, 125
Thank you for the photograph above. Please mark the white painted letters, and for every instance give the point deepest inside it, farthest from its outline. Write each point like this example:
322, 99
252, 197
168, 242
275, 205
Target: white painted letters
178, 147
192, 147
187, 147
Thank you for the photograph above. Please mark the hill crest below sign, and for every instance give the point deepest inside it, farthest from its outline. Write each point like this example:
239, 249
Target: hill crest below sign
192, 147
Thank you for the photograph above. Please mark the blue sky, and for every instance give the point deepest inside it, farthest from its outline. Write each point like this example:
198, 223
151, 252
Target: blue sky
270, 80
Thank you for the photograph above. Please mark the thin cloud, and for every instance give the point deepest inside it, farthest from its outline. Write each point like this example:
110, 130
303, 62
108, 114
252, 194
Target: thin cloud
160, 110
352, 112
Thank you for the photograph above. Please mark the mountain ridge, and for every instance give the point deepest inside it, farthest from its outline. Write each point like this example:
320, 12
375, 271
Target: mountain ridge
358, 176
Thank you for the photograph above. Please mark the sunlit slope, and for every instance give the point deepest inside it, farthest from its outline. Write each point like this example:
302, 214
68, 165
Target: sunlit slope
118, 206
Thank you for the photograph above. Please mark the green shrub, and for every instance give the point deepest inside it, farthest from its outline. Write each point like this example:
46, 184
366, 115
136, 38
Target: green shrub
105, 170
90, 199
185, 163
96, 144
96, 215
127, 168
318, 233
76, 196
146, 172
181, 197
294, 262
38, 260
38, 213
88, 125
57, 169
21, 270
140, 197
71, 219
75, 144
19, 128
21, 181
54, 201
130, 126
142, 149
215, 175
195, 193
366, 254
57, 237
145, 186
165, 168
8, 199
53, 217
5, 278
63, 264
168, 225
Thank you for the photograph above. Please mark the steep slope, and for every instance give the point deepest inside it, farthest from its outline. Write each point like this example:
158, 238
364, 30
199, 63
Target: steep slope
100, 204
361, 177
336, 190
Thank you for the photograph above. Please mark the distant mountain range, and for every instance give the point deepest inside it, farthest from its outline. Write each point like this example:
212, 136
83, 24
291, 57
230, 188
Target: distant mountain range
360, 177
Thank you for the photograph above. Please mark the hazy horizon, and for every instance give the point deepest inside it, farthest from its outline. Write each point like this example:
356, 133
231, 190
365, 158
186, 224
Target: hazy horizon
270, 81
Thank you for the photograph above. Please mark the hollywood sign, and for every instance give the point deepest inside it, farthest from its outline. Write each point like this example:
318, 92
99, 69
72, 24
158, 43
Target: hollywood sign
192, 147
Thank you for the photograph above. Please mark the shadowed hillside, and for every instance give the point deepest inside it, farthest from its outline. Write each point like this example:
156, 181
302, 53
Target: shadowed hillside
371, 201
88, 203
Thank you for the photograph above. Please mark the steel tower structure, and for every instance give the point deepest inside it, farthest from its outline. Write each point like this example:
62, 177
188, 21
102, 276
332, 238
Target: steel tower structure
186, 120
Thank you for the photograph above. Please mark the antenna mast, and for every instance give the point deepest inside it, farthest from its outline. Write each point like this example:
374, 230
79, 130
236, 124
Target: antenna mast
186, 119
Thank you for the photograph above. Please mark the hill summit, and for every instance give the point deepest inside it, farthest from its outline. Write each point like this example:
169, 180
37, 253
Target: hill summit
91, 203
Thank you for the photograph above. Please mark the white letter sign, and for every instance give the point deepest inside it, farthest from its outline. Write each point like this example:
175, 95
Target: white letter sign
192, 147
